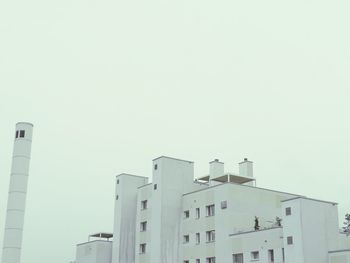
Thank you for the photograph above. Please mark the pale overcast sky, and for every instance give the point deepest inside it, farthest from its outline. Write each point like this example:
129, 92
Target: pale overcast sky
110, 85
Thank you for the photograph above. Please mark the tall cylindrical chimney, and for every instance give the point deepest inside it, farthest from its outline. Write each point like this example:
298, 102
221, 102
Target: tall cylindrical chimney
17, 193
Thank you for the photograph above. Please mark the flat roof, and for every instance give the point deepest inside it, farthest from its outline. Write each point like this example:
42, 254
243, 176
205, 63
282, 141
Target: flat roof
254, 231
24, 122
131, 175
167, 157
94, 241
311, 199
339, 251
238, 179
102, 235
241, 185
203, 178
144, 185
228, 177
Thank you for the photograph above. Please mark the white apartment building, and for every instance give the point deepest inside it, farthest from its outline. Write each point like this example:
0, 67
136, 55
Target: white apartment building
218, 218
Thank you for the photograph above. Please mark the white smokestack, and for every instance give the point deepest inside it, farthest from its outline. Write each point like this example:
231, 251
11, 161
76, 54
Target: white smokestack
246, 168
216, 168
17, 193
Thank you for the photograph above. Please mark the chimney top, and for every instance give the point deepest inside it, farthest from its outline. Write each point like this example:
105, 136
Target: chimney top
245, 159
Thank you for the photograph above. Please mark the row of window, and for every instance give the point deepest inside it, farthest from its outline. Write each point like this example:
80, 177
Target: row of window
255, 256
239, 258
207, 260
209, 211
20, 134
210, 237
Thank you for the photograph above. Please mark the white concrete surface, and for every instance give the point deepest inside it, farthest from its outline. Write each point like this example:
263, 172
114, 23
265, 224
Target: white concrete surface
17, 193
186, 221
97, 251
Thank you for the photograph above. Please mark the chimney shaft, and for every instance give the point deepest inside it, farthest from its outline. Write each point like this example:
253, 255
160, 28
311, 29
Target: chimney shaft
246, 168
17, 193
216, 168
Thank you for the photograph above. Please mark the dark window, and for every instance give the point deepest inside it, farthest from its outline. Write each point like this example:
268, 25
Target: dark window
223, 204
155, 186
288, 211
117, 197
143, 226
254, 255
198, 238
186, 214
118, 181
16, 134
155, 166
210, 236
186, 239
271, 256
198, 213
21, 133
290, 240
143, 204
142, 248
210, 210
238, 258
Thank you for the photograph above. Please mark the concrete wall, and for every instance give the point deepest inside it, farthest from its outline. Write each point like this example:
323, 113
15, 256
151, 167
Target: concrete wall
237, 217
125, 217
97, 251
261, 241
314, 227
144, 193
173, 177
341, 256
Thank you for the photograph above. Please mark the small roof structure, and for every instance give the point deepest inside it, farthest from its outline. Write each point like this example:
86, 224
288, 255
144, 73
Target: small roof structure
228, 178
101, 235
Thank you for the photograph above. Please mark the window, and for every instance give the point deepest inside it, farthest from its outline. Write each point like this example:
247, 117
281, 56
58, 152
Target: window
223, 204
143, 204
271, 256
198, 238
198, 260
118, 181
210, 210
198, 213
238, 258
186, 214
288, 211
155, 166
290, 240
210, 260
186, 238
142, 248
254, 255
210, 236
22, 133
283, 254
186, 261
143, 226
16, 134
155, 186
116, 197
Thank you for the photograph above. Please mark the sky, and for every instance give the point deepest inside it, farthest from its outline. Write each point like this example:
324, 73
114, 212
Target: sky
111, 85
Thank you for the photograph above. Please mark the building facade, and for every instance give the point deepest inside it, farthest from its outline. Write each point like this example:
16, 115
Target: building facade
218, 218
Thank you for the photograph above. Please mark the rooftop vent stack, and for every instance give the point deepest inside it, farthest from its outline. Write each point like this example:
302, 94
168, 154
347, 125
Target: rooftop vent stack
17, 193
246, 168
216, 168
